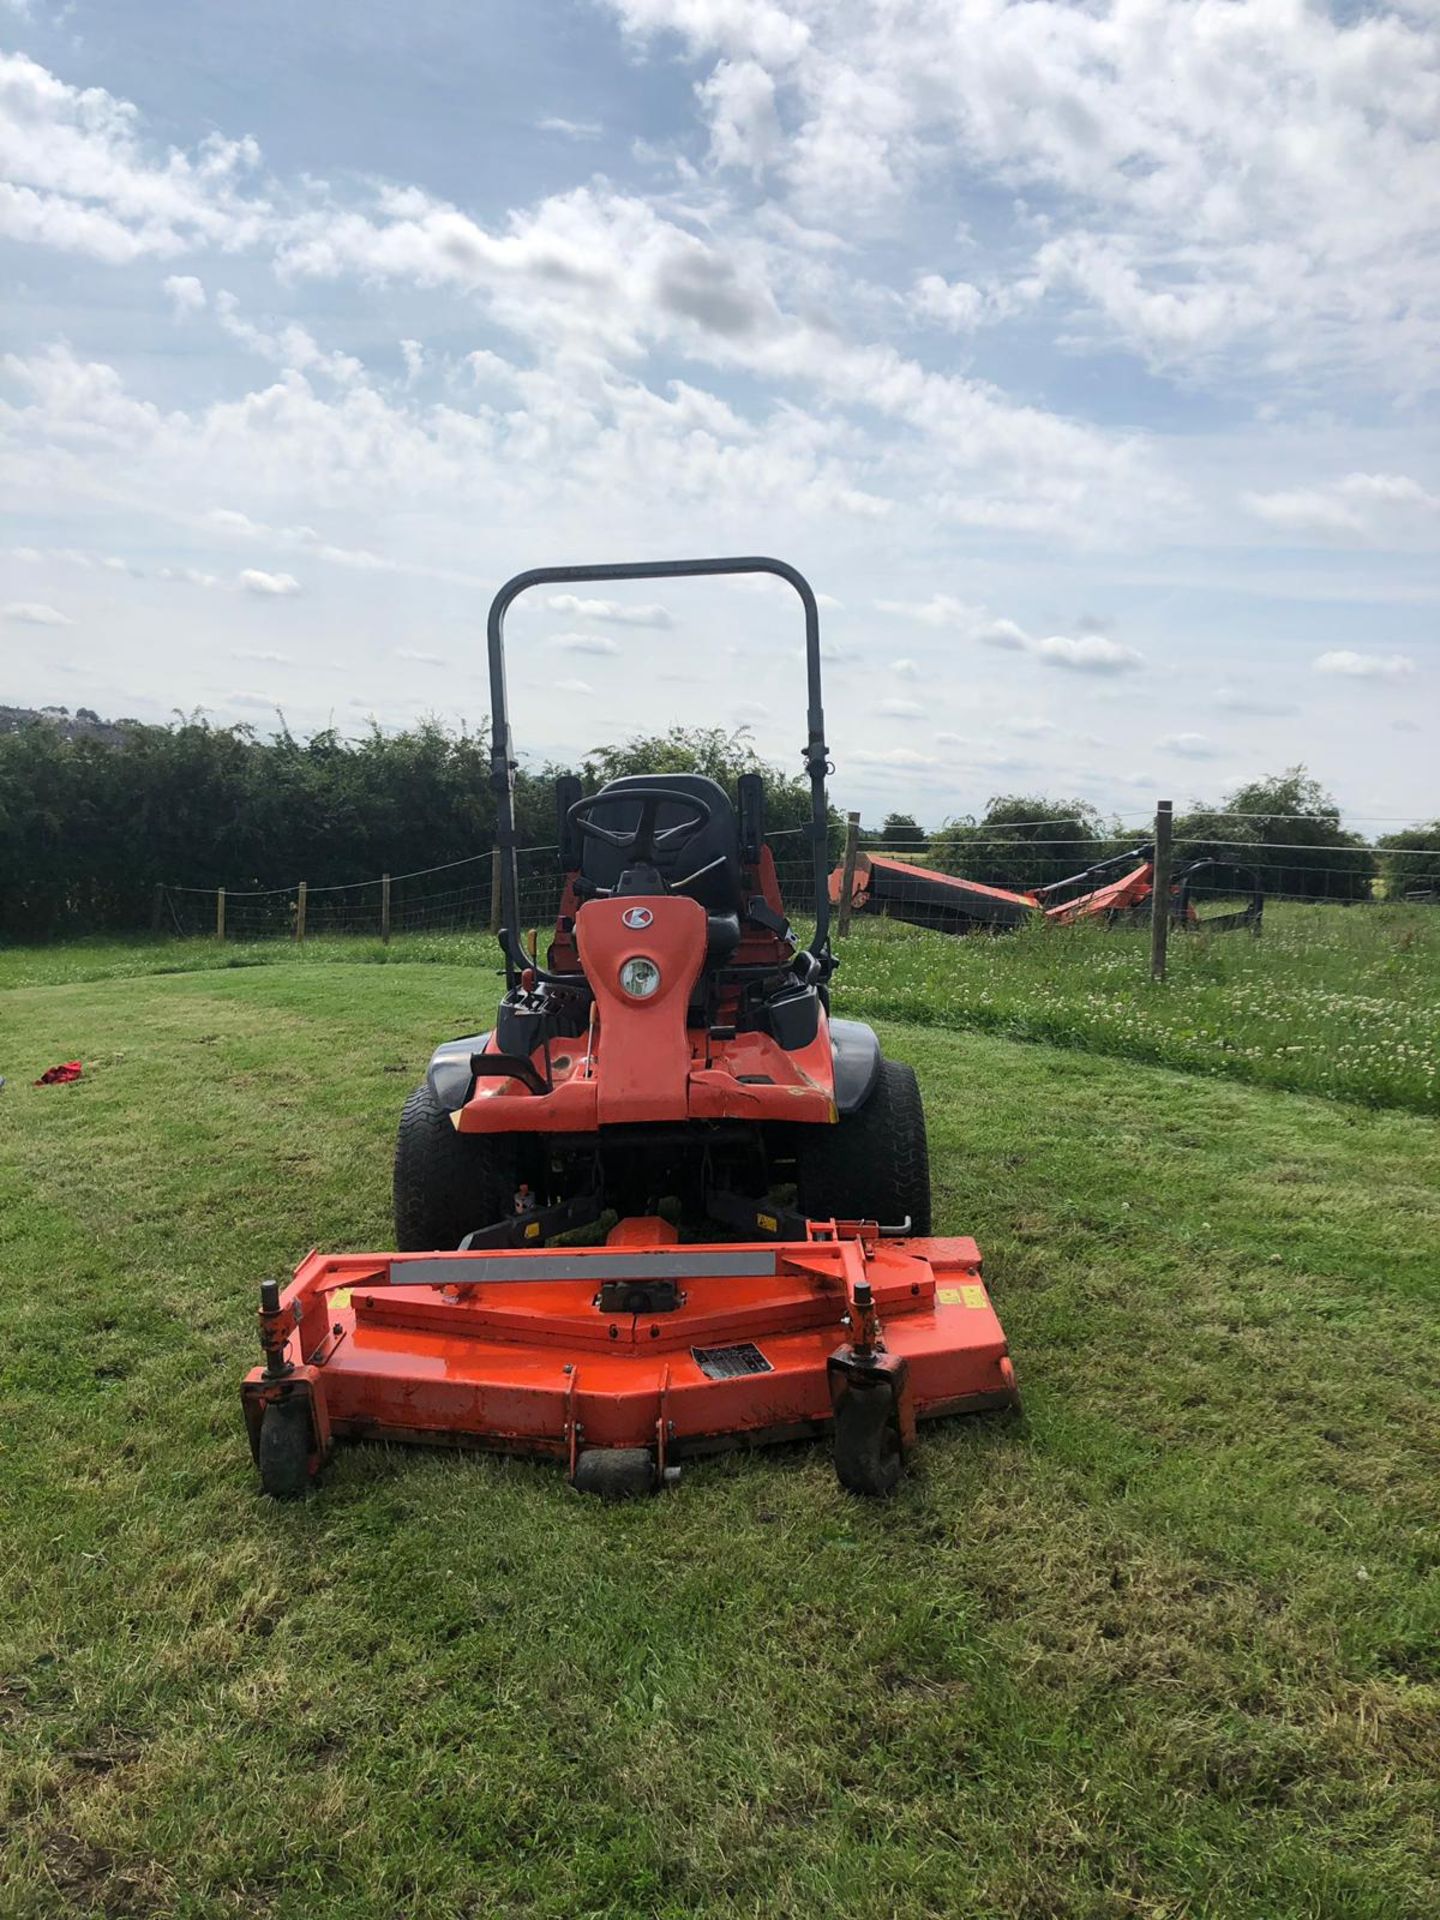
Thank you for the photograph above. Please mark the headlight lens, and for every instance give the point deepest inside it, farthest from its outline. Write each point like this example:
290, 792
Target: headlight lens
640, 978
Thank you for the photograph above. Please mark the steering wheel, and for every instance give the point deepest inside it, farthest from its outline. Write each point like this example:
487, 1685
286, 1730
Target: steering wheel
643, 840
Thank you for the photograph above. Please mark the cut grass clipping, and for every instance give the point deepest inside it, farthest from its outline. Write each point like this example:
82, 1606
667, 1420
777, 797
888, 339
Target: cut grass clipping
1165, 1647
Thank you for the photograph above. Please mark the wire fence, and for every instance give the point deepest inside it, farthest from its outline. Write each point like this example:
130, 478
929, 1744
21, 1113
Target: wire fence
1274, 861
459, 897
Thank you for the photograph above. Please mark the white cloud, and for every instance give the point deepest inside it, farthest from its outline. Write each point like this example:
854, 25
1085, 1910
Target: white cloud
261, 657
277, 585
949, 303
1089, 653
188, 576
1230, 176
647, 615
291, 347
902, 709
1240, 699
1000, 633
420, 659
905, 669
1191, 746
78, 177
596, 643
744, 126
571, 129
1365, 666
940, 610
1381, 508
187, 294
736, 28
599, 277
893, 757
573, 686
36, 613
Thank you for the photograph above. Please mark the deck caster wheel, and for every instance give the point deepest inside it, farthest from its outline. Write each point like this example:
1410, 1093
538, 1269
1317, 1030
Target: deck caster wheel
285, 1448
616, 1473
868, 1458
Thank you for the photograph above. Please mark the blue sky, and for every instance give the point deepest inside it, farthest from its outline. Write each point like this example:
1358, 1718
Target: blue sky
1083, 356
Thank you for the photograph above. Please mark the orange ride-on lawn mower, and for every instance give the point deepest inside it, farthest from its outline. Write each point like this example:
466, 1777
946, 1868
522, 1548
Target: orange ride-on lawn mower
675, 1059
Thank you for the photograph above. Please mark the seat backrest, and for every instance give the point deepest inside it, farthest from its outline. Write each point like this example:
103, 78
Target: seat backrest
719, 890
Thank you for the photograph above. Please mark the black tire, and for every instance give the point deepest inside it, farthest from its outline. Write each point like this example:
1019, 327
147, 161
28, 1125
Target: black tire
868, 1459
447, 1183
285, 1444
873, 1164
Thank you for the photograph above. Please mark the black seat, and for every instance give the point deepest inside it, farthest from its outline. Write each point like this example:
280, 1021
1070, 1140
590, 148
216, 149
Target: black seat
715, 847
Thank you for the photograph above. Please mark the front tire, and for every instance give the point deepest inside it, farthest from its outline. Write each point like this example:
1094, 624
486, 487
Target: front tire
447, 1183
874, 1163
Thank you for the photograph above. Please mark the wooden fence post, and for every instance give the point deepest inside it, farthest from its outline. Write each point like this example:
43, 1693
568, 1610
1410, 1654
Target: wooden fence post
157, 910
1160, 890
847, 885
495, 896
385, 908
301, 893
219, 913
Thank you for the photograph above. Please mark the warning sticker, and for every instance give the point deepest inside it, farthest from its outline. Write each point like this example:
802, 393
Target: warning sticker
729, 1363
967, 1296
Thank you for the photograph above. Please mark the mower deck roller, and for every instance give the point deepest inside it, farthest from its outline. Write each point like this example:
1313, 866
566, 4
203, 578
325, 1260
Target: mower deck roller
620, 1360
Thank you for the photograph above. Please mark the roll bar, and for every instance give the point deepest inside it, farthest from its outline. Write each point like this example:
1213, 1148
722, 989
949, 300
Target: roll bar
503, 764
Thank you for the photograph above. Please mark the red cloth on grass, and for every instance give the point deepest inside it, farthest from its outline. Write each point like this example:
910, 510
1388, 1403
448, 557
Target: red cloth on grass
57, 1076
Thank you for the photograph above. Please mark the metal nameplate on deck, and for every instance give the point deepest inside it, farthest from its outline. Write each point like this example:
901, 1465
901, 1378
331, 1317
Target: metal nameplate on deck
729, 1363
597, 1264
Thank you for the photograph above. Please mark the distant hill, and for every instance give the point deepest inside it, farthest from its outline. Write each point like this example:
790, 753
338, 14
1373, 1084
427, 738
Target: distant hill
84, 723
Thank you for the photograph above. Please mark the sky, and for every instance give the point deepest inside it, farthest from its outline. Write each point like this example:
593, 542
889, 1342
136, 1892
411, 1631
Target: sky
1083, 356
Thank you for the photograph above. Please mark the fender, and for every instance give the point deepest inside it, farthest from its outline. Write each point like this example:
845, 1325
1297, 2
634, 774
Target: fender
857, 1062
448, 1075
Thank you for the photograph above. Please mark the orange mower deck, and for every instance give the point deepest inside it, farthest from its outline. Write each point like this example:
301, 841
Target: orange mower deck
620, 1360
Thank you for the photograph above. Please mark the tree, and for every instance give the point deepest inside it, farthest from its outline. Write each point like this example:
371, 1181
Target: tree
1023, 841
1410, 861
721, 756
903, 832
1287, 829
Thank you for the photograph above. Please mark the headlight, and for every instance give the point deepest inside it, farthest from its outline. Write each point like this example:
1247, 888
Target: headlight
640, 978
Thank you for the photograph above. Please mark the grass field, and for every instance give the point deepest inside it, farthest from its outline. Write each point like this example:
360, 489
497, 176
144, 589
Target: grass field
1164, 1647
1340, 1001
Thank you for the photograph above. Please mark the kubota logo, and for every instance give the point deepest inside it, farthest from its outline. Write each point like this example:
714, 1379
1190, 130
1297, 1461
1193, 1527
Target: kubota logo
637, 917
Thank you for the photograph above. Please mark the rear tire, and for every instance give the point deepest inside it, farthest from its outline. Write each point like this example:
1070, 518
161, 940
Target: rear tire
873, 1164
447, 1183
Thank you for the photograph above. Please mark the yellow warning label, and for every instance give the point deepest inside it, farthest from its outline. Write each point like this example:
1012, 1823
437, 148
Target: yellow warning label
532, 1230
768, 1222
340, 1297
970, 1296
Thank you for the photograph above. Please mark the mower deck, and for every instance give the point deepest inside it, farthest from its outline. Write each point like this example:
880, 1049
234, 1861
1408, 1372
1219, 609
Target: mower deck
629, 1355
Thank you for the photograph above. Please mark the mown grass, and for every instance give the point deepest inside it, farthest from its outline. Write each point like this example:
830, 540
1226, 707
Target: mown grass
1338, 1001
1167, 1646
